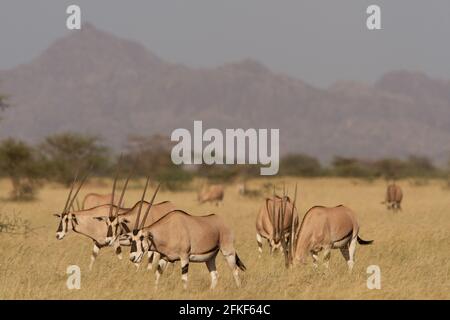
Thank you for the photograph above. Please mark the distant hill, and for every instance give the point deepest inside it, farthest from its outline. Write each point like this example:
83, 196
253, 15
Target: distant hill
92, 81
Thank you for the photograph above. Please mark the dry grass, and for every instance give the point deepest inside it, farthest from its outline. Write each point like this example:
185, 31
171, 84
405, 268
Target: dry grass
411, 248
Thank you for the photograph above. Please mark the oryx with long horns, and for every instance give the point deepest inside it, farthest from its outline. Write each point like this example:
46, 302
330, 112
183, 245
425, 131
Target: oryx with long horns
83, 221
178, 236
272, 222
323, 229
120, 223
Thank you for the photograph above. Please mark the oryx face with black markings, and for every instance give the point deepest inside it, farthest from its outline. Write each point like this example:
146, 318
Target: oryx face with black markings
115, 227
67, 221
139, 245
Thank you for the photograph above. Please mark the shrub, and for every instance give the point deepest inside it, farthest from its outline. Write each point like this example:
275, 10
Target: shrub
67, 152
19, 162
300, 165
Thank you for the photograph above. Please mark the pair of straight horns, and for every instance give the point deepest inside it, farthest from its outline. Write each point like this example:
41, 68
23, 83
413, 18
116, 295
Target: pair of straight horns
70, 200
123, 193
278, 224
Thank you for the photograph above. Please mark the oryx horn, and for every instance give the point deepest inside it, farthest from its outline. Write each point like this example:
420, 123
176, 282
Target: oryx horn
123, 192
70, 193
114, 186
292, 237
149, 206
78, 189
136, 225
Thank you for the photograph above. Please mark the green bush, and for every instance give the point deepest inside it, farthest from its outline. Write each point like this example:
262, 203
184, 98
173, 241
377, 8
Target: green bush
67, 152
300, 165
174, 178
19, 162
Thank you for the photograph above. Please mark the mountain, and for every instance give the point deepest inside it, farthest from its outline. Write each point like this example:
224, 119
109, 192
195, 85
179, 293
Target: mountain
94, 82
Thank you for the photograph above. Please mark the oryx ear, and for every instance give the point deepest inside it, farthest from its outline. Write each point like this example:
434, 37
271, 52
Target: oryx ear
126, 220
57, 215
100, 218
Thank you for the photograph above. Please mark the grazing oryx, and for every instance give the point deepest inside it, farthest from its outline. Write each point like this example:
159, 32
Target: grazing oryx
394, 196
269, 224
213, 193
119, 224
83, 222
92, 200
324, 229
180, 236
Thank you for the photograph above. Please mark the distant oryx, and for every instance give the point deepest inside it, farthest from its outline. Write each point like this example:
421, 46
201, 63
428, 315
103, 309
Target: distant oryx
92, 200
213, 193
269, 222
119, 224
180, 236
394, 196
323, 228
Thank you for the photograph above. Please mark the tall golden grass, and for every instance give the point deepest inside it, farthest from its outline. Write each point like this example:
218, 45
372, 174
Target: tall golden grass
411, 247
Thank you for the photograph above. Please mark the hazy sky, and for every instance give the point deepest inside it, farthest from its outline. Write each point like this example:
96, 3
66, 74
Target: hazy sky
315, 40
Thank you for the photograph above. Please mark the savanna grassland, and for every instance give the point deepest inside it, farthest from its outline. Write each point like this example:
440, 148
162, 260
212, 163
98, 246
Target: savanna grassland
412, 248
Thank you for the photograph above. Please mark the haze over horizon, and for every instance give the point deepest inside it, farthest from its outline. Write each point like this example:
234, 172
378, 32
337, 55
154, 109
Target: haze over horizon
131, 91
316, 41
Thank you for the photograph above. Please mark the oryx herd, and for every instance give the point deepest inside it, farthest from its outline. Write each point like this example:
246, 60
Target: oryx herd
166, 233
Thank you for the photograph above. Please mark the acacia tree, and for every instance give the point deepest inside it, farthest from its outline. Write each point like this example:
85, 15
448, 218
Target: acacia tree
150, 156
20, 163
67, 152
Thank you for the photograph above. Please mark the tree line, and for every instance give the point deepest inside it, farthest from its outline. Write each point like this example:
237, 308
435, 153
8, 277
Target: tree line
59, 156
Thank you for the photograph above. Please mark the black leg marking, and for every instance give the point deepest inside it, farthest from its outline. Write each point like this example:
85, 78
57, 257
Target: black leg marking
150, 258
118, 250
185, 269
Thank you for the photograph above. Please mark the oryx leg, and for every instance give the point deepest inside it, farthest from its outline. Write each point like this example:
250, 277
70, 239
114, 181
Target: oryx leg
152, 257
271, 247
211, 265
326, 257
351, 252
94, 254
348, 253
118, 249
259, 241
159, 271
231, 260
315, 258
184, 271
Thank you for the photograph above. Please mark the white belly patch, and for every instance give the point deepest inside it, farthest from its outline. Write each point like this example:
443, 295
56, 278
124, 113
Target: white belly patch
202, 257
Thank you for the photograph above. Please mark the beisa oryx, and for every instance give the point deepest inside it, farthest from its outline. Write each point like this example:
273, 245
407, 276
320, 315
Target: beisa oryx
120, 224
321, 229
83, 222
179, 236
213, 193
394, 197
271, 225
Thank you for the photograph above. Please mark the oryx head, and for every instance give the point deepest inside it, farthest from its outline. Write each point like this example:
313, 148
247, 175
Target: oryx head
140, 238
140, 244
67, 218
67, 221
